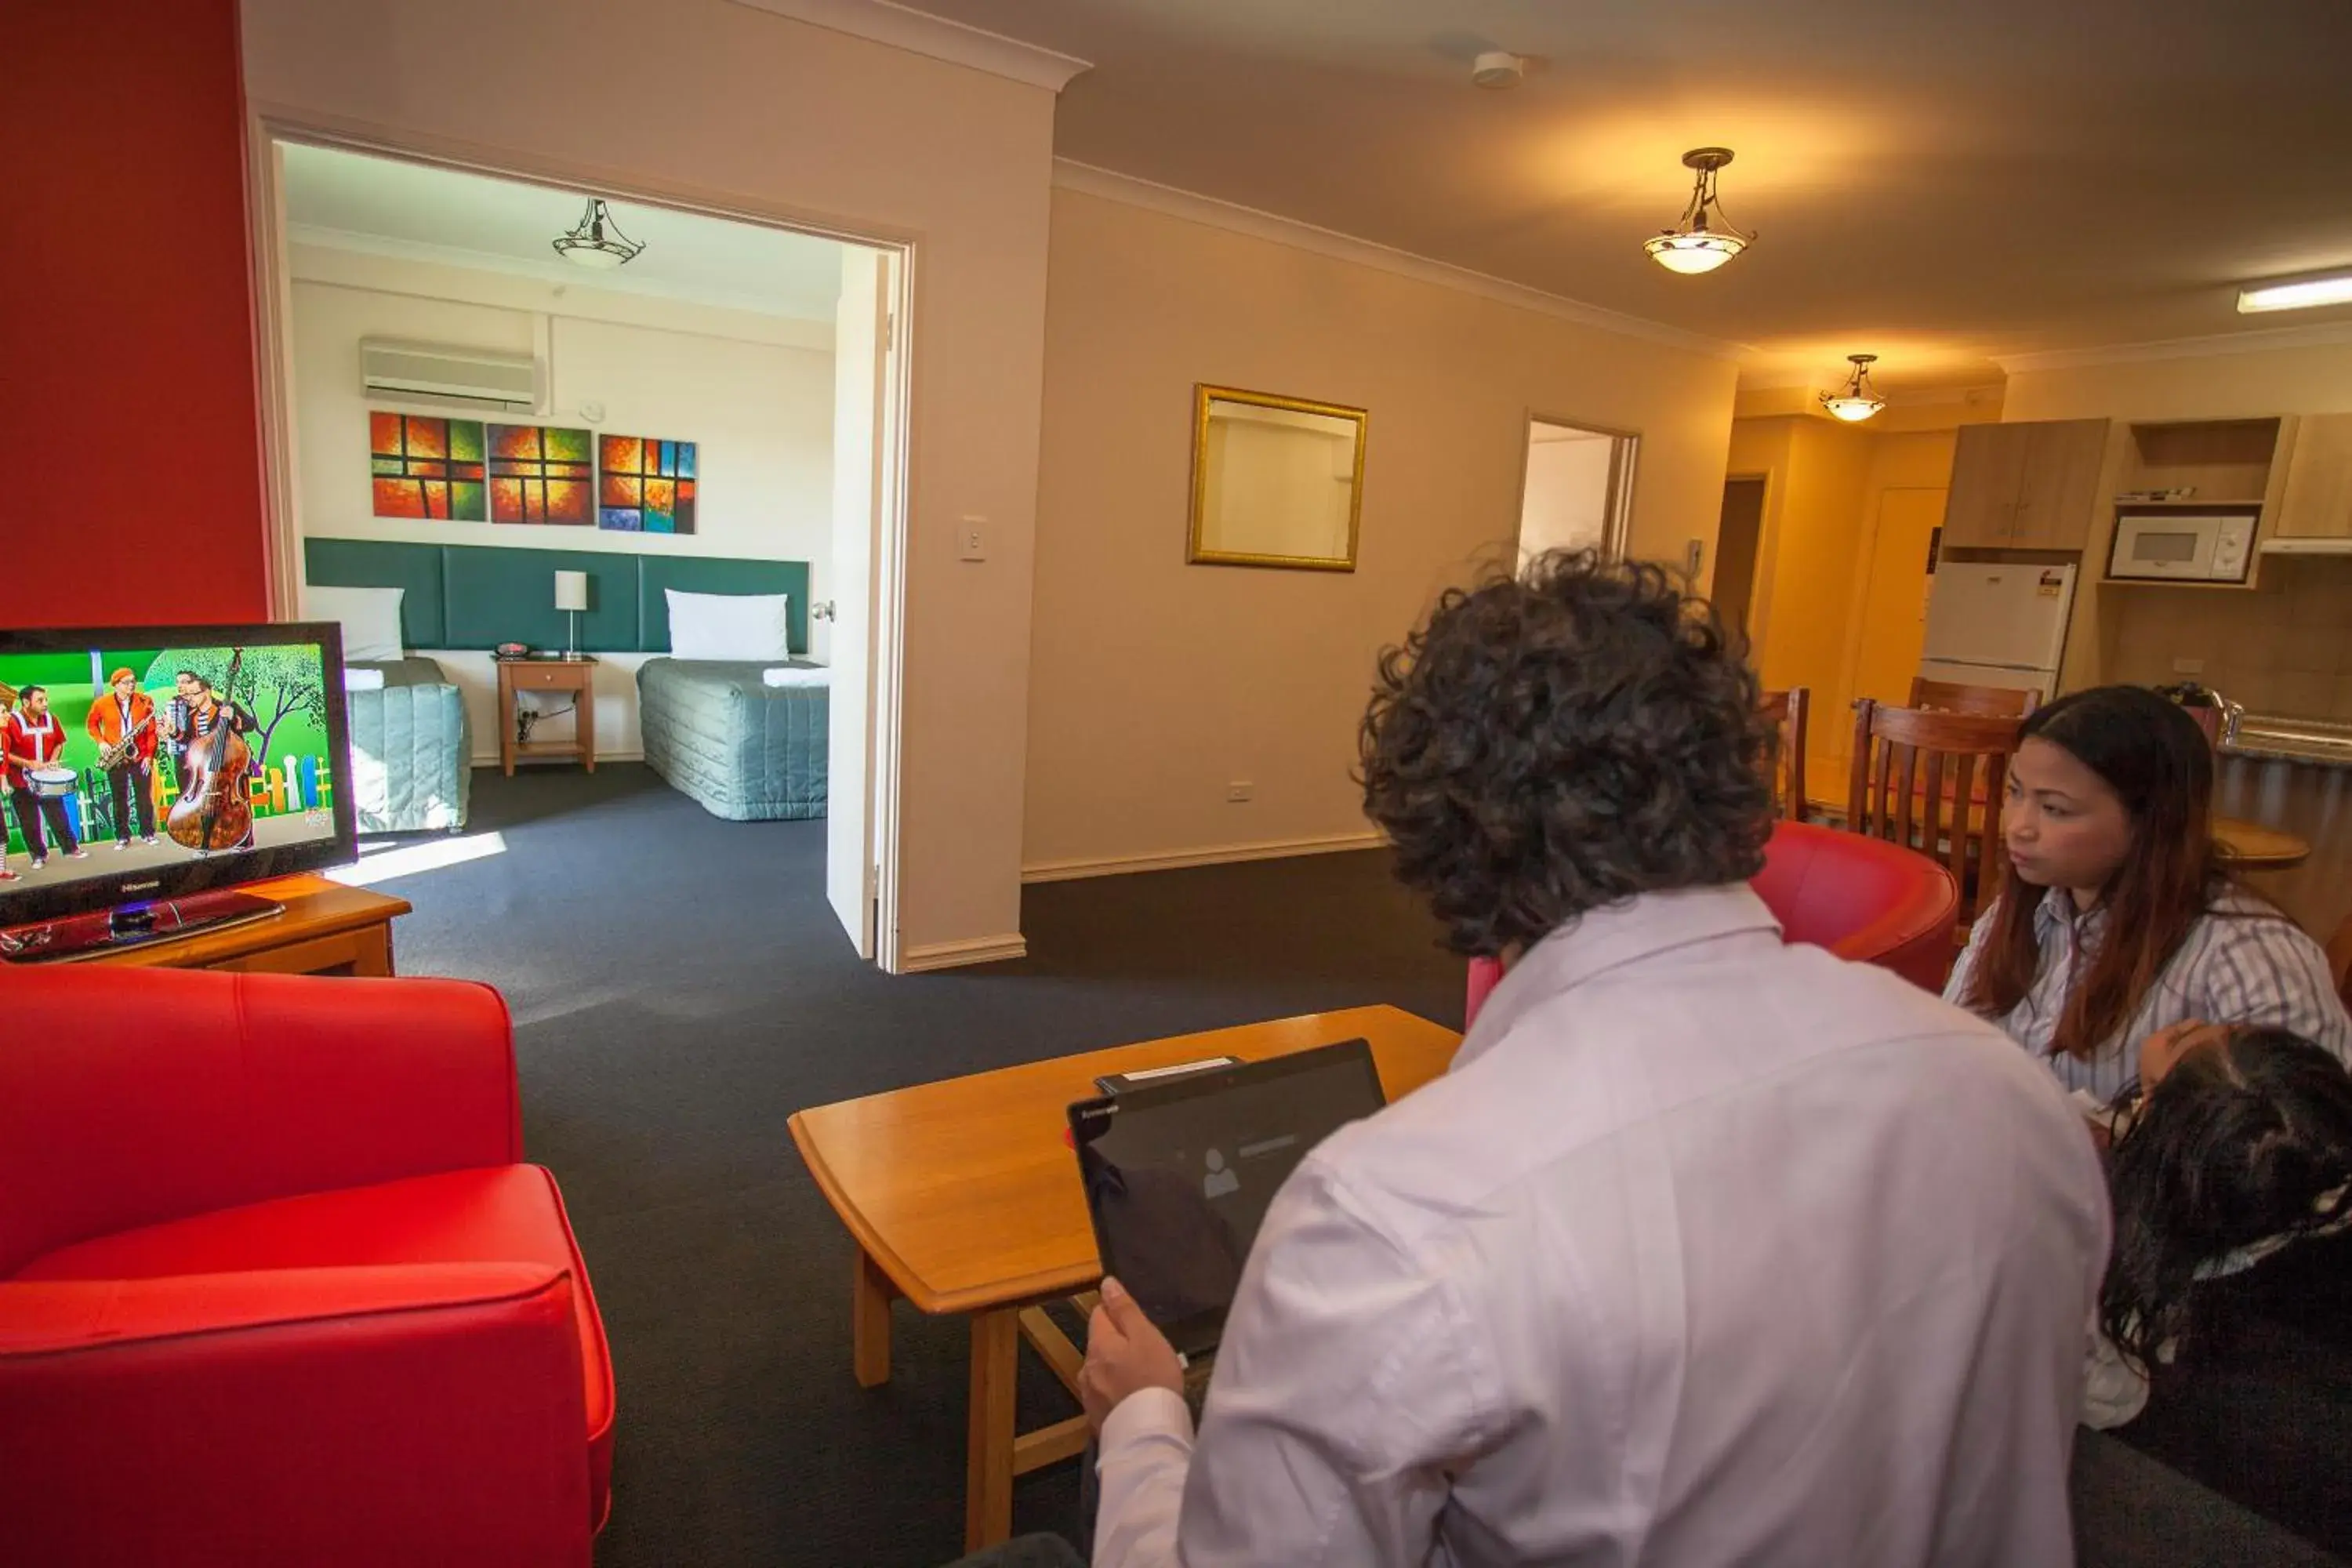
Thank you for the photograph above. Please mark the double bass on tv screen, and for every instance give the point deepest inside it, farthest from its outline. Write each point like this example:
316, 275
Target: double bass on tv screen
155, 763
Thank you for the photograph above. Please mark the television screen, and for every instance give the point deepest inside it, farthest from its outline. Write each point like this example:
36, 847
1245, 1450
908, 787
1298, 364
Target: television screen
148, 764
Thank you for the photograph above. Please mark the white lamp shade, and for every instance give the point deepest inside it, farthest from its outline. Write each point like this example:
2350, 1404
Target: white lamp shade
572, 590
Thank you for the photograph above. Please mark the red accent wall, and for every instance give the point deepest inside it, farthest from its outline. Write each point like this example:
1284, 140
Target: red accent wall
129, 464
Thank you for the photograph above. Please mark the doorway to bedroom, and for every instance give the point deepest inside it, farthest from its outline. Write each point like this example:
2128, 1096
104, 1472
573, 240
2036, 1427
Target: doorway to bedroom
591, 481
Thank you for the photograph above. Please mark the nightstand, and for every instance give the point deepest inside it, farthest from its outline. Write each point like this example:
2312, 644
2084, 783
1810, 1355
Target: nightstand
576, 676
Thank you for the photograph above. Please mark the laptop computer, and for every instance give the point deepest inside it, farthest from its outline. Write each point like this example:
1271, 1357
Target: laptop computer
1179, 1174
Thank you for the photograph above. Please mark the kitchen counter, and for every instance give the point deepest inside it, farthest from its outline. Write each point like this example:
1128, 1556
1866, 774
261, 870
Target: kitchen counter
2277, 738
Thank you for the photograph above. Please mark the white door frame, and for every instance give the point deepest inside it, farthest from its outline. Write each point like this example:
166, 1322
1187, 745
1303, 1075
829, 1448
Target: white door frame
267, 125
1624, 463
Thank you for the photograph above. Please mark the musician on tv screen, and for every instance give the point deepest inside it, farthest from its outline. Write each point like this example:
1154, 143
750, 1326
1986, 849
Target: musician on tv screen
197, 710
34, 741
195, 713
122, 723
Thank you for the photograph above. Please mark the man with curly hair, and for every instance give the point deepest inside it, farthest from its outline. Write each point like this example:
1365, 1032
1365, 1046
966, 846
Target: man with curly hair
1706, 1250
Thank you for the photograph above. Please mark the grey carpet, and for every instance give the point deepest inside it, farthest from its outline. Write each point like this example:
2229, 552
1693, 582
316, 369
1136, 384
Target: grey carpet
679, 987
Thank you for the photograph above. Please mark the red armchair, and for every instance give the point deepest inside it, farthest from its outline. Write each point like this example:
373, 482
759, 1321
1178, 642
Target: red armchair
1863, 899
275, 1286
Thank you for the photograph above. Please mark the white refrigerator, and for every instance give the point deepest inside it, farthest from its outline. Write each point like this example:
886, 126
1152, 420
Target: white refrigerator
1998, 624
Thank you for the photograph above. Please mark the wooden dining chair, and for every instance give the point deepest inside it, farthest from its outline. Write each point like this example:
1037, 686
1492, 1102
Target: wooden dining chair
1787, 709
1934, 782
1954, 697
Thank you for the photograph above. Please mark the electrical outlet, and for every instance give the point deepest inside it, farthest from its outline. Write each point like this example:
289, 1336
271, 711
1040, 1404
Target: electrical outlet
2188, 667
1239, 791
971, 544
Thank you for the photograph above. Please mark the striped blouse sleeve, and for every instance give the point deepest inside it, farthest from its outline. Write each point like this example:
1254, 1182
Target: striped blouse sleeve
1957, 986
2263, 969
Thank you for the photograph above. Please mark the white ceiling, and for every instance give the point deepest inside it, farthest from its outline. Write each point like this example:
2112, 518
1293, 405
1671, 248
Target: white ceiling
1944, 184
389, 206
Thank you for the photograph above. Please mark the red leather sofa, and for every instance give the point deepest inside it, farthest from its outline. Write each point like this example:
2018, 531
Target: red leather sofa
276, 1285
1863, 899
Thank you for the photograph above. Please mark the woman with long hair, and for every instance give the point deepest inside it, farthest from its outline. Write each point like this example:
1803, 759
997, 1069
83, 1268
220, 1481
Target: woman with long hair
2118, 920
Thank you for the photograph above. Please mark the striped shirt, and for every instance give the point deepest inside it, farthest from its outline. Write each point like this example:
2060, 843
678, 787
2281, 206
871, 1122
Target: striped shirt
2241, 963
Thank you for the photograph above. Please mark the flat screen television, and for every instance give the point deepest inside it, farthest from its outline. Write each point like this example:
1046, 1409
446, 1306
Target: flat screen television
151, 770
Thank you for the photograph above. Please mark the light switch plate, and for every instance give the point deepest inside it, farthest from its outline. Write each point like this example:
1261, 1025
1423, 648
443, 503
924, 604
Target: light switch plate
971, 540
2188, 667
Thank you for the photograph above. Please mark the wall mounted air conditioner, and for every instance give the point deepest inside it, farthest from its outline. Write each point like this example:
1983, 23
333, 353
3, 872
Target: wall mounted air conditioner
425, 373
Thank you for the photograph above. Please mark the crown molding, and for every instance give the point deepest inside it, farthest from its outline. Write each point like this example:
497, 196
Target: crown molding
921, 33
1089, 180
2254, 342
555, 273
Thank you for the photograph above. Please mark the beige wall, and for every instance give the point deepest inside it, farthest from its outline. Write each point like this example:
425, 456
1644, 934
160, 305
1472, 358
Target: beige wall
1826, 486
2285, 647
755, 113
1813, 551
2317, 380
1156, 684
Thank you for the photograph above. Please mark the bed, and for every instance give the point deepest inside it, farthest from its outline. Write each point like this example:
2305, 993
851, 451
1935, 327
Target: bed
743, 750
411, 749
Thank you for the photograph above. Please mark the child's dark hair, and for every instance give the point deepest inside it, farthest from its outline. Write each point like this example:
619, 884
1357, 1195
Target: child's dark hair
2244, 1139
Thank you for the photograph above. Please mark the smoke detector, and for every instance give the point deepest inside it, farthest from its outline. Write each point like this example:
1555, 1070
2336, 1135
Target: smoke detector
1497, 69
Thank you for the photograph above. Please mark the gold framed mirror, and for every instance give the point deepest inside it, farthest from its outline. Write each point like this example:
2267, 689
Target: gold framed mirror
1276, 481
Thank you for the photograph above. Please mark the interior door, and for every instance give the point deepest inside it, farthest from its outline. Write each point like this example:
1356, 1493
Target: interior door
1894, 602
860, 383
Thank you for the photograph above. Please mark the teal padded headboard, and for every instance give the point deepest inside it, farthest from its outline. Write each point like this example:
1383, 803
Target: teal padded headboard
478, 597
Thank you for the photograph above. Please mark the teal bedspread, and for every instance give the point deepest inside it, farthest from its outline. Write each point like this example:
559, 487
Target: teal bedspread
411, 750
745, 751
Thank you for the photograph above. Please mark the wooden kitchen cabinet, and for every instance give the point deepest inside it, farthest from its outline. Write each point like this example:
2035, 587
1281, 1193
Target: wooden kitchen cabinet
1988, 471
2061, 490
2318, 500
2029, 485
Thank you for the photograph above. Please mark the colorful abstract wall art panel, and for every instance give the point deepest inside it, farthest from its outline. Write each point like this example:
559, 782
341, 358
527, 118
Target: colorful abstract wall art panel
648, 485
540, 475
425, 468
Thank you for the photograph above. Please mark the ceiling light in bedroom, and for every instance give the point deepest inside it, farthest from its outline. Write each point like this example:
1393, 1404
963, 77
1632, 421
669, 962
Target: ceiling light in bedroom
596, 241
1859, 401
2302, 294
1696, 244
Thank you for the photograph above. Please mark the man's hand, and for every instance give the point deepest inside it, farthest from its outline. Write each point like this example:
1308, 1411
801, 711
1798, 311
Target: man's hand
1125, 1353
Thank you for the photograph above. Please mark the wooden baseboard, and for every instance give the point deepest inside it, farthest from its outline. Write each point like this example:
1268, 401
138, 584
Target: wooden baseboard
491, 761
955, 954
1209, 855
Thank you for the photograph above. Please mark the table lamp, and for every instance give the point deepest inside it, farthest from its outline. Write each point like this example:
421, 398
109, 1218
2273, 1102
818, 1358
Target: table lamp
572, 596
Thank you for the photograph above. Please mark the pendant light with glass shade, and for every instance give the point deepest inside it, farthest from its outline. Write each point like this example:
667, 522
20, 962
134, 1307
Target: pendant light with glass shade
1860, 400
596, 241
1695, 244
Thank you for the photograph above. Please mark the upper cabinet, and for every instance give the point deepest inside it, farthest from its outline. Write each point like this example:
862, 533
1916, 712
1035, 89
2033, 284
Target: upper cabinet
2028, 485
2318, 500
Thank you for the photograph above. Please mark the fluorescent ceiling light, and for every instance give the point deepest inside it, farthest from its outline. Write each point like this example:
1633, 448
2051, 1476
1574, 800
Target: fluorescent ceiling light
2336, 289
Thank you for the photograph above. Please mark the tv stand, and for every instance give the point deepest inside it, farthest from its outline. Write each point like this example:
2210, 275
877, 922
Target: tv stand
325, 928
129, 925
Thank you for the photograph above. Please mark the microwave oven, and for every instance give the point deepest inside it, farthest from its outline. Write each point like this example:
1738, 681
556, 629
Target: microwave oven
2182, 547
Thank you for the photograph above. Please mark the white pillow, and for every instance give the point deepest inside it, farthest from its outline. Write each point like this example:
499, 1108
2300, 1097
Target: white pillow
728, 626
369, 617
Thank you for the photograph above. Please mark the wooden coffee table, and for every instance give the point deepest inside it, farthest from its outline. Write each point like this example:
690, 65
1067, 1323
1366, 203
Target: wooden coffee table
963, 1197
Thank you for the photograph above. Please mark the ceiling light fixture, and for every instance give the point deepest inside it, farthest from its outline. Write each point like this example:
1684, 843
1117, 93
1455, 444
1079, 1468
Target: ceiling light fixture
1696, 246
1859, 401
2302, 294
596, 241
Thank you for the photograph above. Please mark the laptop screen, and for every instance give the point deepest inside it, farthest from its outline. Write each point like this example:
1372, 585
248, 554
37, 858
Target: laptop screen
1179, 1176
